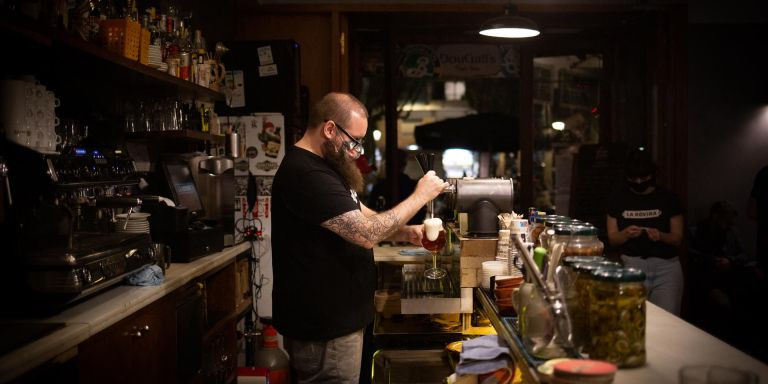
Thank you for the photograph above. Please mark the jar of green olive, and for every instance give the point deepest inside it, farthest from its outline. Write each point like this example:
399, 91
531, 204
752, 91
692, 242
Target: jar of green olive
617, 316
577, 300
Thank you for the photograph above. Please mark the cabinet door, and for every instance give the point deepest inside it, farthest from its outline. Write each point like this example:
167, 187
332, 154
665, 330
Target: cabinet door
138, 349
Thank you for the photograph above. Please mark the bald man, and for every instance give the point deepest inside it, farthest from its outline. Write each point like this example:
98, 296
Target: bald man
324, 273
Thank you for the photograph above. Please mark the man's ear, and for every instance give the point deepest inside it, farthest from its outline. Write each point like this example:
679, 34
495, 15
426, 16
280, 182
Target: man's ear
328, 128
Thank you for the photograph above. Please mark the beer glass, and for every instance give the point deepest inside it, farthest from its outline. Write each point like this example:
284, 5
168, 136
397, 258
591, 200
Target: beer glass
433, 240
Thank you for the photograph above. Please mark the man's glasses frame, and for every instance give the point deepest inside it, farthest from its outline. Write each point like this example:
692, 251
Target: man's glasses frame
354, 144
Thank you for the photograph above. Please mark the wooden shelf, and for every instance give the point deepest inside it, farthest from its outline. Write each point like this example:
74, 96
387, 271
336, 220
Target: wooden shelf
178, 135
124, 69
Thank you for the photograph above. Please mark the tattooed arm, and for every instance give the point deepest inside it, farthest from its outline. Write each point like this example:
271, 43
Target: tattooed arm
367, 228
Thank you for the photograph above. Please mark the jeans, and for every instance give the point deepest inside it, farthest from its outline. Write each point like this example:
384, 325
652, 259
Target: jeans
332, 361
663, 280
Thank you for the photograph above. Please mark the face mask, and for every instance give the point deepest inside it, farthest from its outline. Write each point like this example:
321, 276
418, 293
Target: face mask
641, 186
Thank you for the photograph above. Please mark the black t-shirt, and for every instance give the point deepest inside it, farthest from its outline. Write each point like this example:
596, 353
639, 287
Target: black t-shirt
653, 210
760, 194
323, 284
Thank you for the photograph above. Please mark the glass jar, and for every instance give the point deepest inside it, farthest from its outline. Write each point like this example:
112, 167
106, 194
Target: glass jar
565, 273
617, 316
577, 300
537, 326
548, 232
579, 240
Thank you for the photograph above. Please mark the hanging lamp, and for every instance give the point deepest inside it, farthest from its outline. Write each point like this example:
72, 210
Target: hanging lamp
510, 25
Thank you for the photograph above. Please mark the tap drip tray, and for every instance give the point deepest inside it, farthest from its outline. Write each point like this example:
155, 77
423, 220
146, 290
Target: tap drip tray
421, 295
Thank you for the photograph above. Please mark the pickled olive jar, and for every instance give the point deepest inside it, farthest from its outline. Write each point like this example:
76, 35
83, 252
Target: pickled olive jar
579, 240
566, 273
617, 316
536, 229
577, 300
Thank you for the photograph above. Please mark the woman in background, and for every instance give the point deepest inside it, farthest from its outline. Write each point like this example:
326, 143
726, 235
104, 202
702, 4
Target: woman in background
646, 222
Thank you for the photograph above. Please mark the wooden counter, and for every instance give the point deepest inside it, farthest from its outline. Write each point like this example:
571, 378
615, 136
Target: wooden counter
102, 311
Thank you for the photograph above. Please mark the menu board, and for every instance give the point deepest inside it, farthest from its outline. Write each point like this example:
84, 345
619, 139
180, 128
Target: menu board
598, 170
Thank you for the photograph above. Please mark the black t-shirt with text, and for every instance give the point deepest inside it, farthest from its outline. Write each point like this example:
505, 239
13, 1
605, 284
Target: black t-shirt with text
323, 284
653, 210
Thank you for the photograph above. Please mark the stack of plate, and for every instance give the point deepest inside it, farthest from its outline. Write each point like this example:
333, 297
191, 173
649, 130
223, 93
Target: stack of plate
136, 223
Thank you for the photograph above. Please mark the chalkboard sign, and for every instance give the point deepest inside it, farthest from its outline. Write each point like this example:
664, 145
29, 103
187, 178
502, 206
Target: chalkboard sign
598, 170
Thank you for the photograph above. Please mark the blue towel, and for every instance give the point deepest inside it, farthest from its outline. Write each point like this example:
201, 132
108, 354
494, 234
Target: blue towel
148, 275
483, 355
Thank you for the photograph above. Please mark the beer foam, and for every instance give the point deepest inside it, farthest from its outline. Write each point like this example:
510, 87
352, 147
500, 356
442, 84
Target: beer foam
433, 227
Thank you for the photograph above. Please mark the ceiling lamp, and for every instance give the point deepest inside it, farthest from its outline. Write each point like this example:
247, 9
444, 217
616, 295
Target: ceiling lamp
510, 25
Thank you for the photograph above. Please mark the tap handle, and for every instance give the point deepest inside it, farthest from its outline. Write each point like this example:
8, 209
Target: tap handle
4, 175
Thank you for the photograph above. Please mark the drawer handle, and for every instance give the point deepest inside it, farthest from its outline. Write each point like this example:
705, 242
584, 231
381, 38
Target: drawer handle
137, 331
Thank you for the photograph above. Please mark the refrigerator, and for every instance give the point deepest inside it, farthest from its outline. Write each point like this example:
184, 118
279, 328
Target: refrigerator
264, 106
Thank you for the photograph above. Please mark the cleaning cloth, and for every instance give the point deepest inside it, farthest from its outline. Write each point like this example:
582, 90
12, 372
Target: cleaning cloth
484, 354
148, 275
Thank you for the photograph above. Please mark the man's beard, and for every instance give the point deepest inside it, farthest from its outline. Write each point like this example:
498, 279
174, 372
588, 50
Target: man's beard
344, 166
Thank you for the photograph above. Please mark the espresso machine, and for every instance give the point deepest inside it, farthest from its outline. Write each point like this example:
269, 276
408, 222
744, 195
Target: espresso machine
58, 227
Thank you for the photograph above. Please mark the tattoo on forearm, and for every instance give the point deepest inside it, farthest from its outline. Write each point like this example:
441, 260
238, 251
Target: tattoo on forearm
357, 228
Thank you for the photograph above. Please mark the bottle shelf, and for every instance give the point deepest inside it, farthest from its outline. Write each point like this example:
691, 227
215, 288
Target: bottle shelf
121, 70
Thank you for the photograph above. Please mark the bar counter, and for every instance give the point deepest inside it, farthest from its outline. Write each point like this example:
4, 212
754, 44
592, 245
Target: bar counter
99, 312
670, 343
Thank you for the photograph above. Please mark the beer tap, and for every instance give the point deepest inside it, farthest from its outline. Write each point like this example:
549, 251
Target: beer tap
427, 162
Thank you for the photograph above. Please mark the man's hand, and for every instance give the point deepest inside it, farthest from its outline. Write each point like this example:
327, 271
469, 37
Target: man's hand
430, 186
413, 233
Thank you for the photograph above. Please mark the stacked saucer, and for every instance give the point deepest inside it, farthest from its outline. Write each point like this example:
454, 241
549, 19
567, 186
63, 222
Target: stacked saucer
136, 223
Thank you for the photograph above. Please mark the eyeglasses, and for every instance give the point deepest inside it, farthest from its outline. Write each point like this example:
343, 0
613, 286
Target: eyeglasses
354, 144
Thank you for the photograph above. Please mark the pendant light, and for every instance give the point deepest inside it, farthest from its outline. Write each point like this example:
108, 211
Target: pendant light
510, 25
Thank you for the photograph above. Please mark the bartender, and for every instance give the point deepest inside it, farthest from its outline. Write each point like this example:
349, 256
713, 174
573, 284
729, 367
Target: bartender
323, 238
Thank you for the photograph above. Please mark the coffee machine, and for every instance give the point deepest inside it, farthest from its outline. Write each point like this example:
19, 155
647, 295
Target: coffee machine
185, 227
59, 224
215, 180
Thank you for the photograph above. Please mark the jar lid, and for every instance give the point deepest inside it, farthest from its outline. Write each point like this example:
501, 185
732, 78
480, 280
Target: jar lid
593, 265
571, 260
618, 274
552, 221
580, 369
563, 228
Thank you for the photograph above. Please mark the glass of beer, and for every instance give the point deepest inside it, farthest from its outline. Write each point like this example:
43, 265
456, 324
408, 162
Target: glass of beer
434, 241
